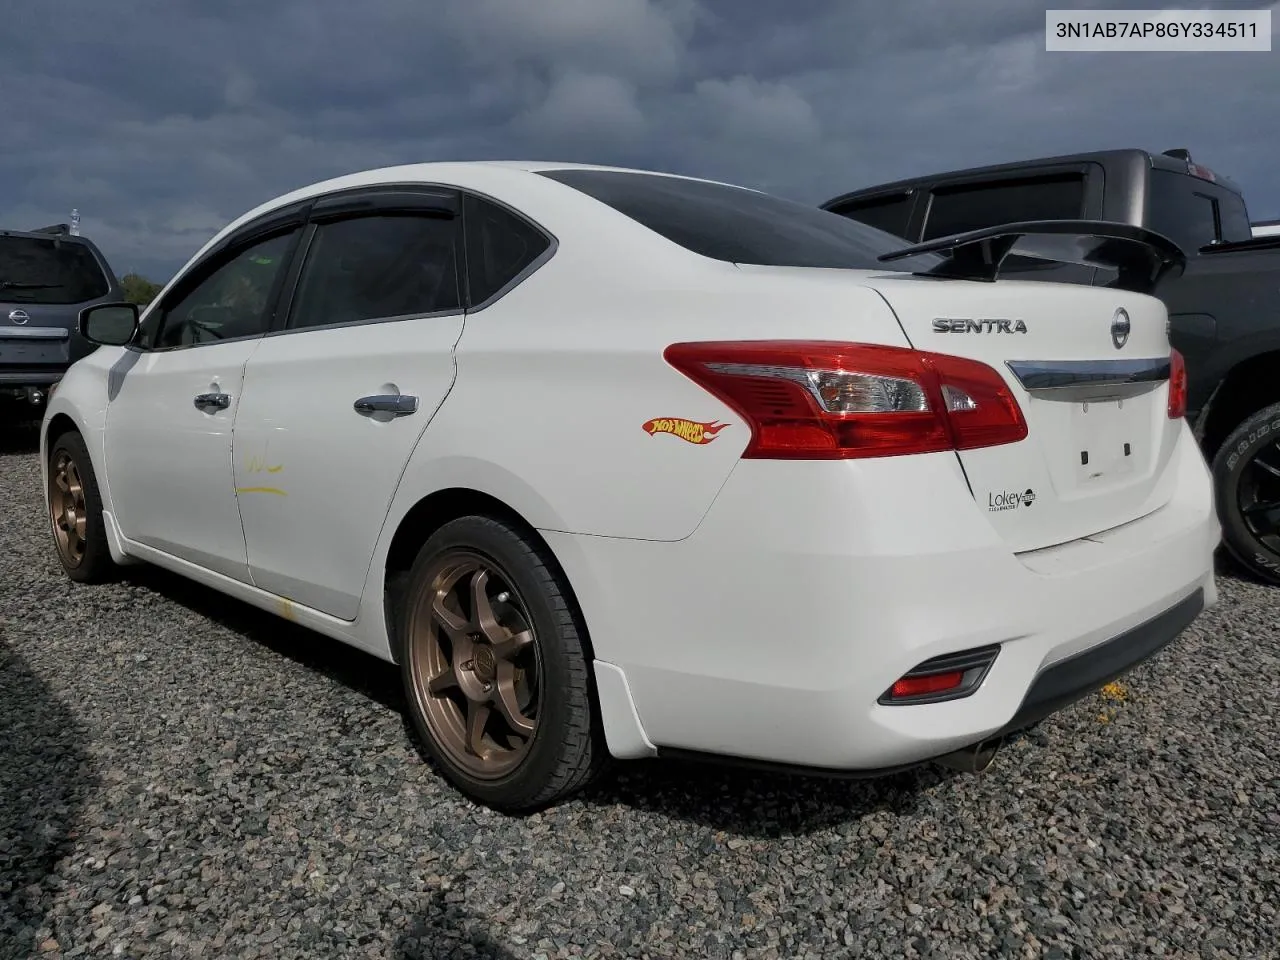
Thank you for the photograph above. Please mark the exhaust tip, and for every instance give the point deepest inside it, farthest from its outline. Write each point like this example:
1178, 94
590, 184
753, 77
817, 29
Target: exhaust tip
973, 759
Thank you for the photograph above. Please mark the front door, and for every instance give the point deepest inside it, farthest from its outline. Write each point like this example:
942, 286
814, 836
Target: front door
172, 403
333, 405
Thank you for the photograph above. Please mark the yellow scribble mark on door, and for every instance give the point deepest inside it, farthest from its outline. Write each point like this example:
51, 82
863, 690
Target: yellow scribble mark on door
257, 464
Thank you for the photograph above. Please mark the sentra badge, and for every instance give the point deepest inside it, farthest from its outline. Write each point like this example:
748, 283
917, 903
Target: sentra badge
969, 325
692, 431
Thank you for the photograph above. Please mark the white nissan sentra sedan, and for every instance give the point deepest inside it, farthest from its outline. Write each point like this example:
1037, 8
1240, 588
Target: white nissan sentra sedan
617, 464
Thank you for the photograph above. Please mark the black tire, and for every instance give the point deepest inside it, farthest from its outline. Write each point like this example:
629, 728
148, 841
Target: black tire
1246, 475
92, 562
565, 751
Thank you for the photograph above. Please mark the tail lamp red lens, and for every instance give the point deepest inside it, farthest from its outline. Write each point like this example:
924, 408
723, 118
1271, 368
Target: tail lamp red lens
829, 400
1177, 386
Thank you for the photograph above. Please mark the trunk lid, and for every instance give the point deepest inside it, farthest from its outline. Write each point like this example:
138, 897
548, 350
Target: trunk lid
1090, 369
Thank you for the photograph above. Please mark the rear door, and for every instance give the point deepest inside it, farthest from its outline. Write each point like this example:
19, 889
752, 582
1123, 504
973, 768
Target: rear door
335, 402
1089, 367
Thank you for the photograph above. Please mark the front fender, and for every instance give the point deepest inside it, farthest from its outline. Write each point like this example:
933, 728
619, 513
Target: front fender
82, 398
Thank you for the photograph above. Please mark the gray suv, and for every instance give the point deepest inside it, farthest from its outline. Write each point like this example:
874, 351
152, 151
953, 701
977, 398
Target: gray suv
47, 277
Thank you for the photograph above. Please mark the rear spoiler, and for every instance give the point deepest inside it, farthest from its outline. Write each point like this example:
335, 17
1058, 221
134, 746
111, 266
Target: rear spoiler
1142, 257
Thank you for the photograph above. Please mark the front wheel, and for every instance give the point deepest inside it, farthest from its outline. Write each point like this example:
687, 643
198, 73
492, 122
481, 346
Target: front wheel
495, 670
1246, 474
75, 512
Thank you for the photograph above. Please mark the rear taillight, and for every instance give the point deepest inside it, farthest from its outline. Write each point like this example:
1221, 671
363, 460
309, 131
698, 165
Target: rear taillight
1177, 386
827, 400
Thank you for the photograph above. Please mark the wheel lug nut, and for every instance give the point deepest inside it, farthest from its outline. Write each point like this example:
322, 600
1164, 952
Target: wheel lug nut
503, 597
468, 665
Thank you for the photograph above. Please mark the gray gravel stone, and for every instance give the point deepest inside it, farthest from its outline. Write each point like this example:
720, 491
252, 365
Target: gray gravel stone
186, 777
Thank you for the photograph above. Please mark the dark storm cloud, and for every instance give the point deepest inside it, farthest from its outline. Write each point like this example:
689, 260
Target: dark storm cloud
162, 119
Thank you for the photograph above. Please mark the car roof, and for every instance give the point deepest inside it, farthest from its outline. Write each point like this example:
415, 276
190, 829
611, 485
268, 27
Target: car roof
514, 181
474, 174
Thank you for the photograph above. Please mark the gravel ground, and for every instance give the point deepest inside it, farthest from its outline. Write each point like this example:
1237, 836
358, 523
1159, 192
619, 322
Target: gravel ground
186, 777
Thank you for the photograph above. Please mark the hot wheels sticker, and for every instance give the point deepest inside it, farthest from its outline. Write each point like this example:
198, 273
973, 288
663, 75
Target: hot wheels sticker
691, 431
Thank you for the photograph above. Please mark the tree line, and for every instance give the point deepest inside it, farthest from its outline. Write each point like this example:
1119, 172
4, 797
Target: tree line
138, 289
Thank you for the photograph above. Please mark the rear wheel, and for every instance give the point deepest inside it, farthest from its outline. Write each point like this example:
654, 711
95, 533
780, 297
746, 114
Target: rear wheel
75, 512
496, 673
1246, 473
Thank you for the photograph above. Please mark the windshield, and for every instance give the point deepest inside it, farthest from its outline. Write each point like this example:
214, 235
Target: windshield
36, 270
740, 225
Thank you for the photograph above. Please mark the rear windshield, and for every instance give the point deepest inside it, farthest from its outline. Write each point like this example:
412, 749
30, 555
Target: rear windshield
740, 225
36, 270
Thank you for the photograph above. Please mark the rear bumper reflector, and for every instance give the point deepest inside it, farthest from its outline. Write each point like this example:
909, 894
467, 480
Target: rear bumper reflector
948, 677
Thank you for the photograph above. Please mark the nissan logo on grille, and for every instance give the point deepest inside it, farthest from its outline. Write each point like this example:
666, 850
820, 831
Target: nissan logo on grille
19, 316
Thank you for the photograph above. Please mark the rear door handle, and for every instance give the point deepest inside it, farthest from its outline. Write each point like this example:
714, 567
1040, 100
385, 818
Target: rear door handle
397, 403
219, 400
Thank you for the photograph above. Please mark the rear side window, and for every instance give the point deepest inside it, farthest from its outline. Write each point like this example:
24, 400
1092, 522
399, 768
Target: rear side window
1180, 209
35, 270
499, 246
889, 214
370, 268
962, 208
1233, 218
740, 225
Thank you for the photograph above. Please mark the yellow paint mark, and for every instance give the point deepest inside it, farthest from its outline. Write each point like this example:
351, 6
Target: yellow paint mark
254, 464
1115, 691
276, 490
286, 610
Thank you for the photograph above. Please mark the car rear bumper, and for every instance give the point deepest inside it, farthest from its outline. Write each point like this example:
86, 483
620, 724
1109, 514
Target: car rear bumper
30, 378
771, 633
1070, 680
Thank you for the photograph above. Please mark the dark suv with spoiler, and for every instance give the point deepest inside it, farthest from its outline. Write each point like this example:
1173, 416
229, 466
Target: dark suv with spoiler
1224, 303
47, 277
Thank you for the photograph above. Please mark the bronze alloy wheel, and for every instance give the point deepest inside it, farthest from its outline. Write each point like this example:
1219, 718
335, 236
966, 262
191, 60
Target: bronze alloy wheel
67, 509
475, 664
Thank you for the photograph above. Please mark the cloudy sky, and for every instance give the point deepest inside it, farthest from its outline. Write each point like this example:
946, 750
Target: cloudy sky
162, 119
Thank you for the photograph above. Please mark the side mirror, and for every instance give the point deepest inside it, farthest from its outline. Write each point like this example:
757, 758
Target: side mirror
109, 324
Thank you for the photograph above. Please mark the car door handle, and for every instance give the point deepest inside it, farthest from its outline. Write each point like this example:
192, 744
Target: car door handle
218, 400
398, 403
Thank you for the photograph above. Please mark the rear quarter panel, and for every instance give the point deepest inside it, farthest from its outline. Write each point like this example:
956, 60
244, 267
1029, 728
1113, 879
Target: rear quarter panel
560, 382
